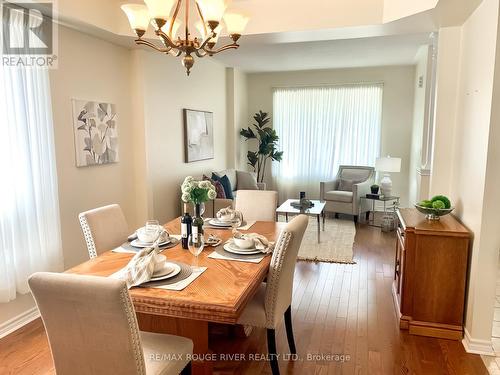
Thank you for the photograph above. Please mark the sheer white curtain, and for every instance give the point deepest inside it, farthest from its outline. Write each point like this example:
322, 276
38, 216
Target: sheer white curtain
321, 128
30, 238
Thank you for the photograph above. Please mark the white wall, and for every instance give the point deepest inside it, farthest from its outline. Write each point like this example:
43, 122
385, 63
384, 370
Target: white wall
397, 109
420, 112
473, 137
237, 117
166, 90
446, 102
91, 69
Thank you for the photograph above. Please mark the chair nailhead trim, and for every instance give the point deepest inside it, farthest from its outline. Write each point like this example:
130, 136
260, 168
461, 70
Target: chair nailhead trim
275, 269
134, 331
87, 234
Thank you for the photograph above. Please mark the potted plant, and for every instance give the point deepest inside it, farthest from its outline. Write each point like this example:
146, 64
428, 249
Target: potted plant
374, 188
268, 143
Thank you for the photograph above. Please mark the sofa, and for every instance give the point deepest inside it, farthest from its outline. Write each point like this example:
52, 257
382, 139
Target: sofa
246, 181
342, 194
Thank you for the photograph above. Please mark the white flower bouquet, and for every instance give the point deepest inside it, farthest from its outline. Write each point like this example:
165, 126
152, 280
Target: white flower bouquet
197, 192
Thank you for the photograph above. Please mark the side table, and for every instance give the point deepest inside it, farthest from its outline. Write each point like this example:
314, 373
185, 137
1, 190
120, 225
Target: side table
394, 202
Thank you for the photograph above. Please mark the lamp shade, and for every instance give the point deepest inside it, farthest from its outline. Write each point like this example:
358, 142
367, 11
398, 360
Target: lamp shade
388, 164
235, 22
159, 9
138, 16
212, 10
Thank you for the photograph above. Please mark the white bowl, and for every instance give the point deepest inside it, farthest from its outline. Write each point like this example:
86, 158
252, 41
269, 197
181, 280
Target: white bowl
159, 262
243, 243
225, 218
145, 236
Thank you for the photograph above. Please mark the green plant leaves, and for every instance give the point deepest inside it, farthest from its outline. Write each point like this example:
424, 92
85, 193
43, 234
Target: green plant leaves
261, 119
268, 142
277, 156
248, 133
252, 158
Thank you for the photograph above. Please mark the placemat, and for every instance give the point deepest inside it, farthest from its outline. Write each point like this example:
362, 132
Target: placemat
187, 275
186, 271
220, 253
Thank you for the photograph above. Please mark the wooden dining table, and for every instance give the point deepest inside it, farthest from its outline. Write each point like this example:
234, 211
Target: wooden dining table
218, 295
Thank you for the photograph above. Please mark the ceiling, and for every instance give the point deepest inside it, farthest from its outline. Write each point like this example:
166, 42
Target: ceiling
327, 54
298, 35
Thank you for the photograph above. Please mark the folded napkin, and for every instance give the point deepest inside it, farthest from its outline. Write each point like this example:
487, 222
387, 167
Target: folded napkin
261, 242
247, 225
141, 267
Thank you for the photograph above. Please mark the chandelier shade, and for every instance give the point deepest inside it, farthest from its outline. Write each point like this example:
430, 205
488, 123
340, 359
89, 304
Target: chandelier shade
160, 9
235, 22
166, 24
212, 10
138, 16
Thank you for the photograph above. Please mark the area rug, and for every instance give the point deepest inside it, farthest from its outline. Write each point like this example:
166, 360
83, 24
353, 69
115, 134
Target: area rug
337, 241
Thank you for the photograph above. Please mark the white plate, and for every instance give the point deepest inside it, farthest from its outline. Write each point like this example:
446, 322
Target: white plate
165, 270
140, 244
218, 223
236, 250
231, 243
175, 272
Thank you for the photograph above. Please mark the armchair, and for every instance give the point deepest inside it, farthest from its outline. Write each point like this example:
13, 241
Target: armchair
342, 195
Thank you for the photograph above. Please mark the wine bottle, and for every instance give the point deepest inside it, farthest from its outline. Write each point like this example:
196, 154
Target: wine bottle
186, 223
198, 222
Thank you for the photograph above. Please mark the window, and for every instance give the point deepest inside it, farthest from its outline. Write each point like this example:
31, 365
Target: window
321, 128
30, 238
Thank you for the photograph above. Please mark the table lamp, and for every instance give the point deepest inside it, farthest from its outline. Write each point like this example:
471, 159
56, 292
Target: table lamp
387, 165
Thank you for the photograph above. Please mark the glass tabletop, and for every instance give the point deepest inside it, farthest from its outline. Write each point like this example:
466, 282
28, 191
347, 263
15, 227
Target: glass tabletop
381, 198
287, 208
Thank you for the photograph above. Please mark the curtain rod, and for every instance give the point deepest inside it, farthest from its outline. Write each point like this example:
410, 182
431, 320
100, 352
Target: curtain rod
329, 85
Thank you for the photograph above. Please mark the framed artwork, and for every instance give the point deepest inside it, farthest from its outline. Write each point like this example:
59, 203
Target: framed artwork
96, 132
198, 135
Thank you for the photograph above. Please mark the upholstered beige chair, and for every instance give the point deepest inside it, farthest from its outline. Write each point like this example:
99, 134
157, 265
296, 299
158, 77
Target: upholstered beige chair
257, 204
274, 298
92, 329
104, 228
343, 194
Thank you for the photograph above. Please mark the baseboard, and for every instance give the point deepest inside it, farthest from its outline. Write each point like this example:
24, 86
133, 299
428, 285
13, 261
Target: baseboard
474, 346
19, 321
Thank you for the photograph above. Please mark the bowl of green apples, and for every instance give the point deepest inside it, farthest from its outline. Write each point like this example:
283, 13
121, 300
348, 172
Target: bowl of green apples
436, 207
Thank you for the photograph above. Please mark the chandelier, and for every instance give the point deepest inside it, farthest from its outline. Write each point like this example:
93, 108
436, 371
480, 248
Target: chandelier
209, 26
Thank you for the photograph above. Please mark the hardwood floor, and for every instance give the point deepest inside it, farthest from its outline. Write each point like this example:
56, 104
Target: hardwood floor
338, 309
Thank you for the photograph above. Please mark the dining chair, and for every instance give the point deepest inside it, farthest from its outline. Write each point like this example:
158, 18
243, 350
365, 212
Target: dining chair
92, 329
104, 228
259, 205
273, 299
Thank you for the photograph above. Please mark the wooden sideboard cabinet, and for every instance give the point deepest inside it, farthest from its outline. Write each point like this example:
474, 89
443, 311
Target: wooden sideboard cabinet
430, 274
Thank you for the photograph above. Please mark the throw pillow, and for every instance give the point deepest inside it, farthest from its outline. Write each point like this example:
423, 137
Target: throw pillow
246, 181
231, 175
221, 194
346, 185
224, 180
